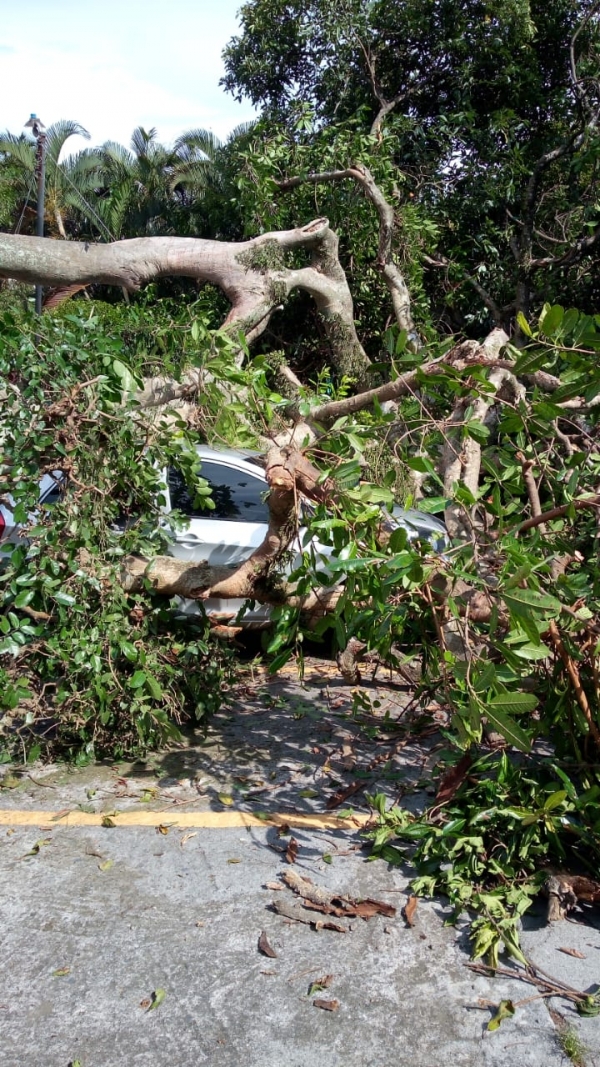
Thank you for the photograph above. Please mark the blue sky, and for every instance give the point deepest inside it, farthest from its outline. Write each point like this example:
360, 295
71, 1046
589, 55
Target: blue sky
112, 65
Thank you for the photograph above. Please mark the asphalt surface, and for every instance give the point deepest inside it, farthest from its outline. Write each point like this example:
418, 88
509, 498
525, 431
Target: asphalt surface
138, 945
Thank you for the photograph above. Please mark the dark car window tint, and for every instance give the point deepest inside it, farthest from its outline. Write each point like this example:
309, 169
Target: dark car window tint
237, 496
54, 493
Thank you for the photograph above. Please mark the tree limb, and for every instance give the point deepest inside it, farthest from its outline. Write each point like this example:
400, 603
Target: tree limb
384, 262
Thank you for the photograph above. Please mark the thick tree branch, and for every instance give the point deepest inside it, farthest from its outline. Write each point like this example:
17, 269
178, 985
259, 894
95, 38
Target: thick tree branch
252, 274
384, 263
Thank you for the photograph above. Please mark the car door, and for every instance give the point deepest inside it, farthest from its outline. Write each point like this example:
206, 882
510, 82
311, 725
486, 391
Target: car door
237, 525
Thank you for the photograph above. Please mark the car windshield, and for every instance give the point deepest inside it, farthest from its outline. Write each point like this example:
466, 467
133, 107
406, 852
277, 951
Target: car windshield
237, 495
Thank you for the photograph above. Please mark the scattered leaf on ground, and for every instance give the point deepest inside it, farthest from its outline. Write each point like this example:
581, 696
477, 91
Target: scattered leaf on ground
298, 914
275, 886
365, 909
10, 781
589, 1006
343, 794
308, 794
265, 947
326, 1005
573, 952
187, 837
61, 972
145, 1003
505, 1010
38, 845
200, 923
58, 815
292, 850
409, 909
156, 999
163, 828
234, 860
451, 782
320, 984
107, 821
105, 865
225, 799
324, 900
327, 857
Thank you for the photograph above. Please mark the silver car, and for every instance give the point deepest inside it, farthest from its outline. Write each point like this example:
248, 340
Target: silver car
229, 534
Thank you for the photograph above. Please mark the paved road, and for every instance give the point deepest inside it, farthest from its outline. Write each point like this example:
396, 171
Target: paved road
98, 918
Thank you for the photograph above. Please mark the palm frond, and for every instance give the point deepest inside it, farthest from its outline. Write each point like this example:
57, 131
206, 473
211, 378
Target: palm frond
58, 133
194, 144
243, 129
142, 141
20, 149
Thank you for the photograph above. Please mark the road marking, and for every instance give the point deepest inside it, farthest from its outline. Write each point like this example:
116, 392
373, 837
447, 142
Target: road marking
210, 820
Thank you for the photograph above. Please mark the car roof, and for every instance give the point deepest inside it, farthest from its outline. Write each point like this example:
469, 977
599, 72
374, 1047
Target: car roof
232, 457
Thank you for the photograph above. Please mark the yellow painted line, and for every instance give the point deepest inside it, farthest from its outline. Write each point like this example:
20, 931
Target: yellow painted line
210, 820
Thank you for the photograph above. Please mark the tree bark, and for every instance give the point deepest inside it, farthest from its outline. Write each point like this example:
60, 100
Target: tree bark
252, 274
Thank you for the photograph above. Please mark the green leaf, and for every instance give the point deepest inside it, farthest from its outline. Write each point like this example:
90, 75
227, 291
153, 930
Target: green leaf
498, 717
24, 598
505, 1010
65, 599
531, 598
129, 650
128, 381
477, 431
157, 998
523, 324
280, 660
153, 687
137, 680
513, 703
551, 319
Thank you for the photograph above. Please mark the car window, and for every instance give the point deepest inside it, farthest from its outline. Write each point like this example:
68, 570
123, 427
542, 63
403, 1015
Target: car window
237, 496
54, 492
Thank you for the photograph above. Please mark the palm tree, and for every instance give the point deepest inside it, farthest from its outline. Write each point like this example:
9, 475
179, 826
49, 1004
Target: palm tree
69, 183
149, 189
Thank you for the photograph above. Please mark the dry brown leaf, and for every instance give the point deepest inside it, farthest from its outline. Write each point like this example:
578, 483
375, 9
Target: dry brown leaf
319, 899
450, 783
274, 886
409, 909
301, 915
326, 1005
187, 837
573, 952
292, 850
343, 794
265, 947
163, 828
365, 909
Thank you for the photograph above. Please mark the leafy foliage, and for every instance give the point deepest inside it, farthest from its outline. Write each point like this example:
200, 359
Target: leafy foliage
87, 668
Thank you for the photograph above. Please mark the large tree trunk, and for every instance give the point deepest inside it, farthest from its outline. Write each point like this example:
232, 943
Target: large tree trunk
252, 274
